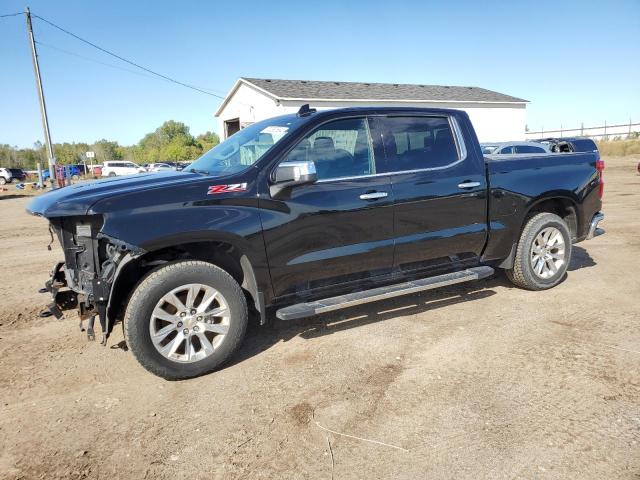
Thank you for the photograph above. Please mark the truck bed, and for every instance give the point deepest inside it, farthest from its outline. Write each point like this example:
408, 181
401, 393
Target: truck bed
518, 181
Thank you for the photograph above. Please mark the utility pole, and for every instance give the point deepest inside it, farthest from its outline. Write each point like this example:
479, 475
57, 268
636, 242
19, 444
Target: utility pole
43, 107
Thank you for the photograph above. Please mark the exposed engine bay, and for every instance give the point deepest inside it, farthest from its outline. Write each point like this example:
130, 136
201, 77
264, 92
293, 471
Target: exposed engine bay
85, 279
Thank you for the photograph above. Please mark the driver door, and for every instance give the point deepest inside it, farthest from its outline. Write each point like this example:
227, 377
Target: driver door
338, 231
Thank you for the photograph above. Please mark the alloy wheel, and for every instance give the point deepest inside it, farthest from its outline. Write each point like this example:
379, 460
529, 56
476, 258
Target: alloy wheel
547, 252
189, 323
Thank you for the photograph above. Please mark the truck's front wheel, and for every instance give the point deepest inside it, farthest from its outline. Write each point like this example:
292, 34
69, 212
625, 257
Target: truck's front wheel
543, 253
185, 319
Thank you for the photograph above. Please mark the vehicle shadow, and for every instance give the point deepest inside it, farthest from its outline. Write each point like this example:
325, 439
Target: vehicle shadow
11, 196
260, 339
580, 258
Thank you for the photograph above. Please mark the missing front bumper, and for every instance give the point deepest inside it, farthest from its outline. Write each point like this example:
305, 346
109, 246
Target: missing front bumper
66, 299
62, 299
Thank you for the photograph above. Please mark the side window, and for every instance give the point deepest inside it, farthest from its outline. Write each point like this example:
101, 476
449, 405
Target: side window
414, 143
506, 151
528, 149
339, 149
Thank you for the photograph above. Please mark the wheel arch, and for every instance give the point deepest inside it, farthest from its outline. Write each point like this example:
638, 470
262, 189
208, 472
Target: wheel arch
564, 205
218, 251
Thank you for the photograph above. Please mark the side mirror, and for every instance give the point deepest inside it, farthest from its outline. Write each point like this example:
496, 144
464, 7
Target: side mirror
289, 174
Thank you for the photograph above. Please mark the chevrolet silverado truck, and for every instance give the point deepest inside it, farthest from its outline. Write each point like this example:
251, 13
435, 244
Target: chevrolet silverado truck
304, 214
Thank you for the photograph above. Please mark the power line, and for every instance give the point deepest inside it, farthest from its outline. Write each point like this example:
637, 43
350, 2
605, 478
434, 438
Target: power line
111, 65
192, 87
11, 14
73, 54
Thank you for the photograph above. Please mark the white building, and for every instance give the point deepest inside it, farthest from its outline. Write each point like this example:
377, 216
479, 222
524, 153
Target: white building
495, 116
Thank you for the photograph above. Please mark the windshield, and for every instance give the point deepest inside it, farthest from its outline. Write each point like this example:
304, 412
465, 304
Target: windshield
244, 148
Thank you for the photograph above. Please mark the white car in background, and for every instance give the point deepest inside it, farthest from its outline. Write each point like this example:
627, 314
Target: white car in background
117, 168
159, 167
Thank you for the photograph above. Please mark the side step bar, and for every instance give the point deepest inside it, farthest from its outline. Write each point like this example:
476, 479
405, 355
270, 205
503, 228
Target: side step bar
302, 310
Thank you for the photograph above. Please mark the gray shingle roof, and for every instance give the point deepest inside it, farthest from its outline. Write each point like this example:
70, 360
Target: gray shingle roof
308, 89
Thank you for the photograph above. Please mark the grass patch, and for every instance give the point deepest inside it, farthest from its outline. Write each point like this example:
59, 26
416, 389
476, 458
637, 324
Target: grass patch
619, 147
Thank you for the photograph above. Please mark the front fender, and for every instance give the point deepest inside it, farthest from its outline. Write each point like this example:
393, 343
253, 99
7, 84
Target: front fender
153, 228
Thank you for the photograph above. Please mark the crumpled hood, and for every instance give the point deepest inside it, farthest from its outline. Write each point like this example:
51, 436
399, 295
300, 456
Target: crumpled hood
77, 199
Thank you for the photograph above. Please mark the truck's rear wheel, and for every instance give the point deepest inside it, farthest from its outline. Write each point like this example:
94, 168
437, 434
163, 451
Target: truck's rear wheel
543, 253
185, 319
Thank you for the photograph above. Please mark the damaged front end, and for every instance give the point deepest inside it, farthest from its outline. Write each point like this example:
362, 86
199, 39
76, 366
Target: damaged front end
85, 280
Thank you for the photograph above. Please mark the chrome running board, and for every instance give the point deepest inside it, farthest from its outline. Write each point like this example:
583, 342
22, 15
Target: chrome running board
302, 310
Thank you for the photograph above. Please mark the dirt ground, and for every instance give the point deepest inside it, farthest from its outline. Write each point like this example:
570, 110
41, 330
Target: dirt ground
477, 381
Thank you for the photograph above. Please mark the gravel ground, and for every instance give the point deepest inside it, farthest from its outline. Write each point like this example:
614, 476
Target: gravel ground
478, 381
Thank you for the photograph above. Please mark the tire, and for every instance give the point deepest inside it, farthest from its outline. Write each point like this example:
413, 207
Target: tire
3, 181
140, 320
524, 273
75, 177
112, 174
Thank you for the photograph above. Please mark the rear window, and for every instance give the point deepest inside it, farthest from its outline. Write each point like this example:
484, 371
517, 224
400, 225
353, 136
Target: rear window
414, 143
584, 145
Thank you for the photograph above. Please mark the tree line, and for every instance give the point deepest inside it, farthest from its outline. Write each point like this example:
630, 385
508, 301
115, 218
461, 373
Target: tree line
172, 141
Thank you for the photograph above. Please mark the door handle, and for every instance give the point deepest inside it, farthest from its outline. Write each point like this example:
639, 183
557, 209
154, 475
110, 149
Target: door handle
373, 195
468, 184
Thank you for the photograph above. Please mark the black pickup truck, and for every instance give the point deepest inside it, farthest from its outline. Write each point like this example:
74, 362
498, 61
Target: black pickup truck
308, 213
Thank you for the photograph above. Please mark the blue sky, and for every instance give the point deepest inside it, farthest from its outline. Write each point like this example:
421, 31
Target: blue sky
575, 61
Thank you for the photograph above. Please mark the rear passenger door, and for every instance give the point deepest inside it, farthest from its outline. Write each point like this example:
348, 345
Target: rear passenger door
440, 194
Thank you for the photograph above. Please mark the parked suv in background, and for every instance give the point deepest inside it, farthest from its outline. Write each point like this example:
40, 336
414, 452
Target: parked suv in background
8, 175
112, 169
70, 171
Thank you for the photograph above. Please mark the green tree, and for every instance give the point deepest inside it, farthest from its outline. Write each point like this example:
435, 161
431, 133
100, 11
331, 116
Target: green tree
171, 141
107, 150
206, 141
66, 153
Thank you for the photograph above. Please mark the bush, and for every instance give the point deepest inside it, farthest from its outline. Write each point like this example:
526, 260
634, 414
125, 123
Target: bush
619, 148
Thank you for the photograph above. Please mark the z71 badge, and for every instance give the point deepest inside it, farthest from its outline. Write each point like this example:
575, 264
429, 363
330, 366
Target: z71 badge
235, 187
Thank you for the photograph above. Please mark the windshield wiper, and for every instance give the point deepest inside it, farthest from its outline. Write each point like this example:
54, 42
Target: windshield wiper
201, 172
